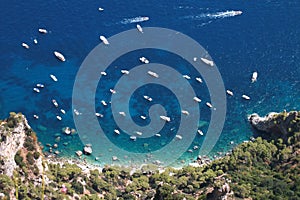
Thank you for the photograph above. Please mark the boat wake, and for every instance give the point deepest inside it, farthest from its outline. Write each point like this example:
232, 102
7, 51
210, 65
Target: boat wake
134, 20
215, 15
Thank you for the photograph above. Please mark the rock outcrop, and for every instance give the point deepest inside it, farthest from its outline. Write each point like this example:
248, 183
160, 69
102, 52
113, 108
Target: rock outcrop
277, 123
12, 137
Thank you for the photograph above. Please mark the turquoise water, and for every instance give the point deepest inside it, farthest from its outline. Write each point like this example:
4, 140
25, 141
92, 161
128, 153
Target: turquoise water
265, 38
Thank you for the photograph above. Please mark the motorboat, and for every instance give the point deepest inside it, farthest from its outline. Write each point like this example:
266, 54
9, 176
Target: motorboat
208, 62
53, 77
165, 118
26, 46
104, 40
42, 30
151, 73
139, 28
59, 56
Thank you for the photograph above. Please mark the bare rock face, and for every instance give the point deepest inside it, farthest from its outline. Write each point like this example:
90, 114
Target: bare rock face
278, 123
13, 134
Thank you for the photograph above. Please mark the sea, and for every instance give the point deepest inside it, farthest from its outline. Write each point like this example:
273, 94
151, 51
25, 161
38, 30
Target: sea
263, 39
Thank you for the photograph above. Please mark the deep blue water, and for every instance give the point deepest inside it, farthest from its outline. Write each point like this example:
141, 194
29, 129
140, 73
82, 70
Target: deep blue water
265, 38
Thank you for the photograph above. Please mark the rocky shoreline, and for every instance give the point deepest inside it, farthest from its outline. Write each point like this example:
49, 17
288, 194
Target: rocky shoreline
23, 165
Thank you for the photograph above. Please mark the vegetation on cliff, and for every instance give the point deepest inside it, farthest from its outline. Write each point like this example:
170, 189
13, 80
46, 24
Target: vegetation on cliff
260, 169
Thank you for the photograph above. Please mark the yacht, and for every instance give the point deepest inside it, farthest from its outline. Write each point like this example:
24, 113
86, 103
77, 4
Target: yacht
143, 117
40, 85
139, 133
55, 103
58, 117
139, 28
208, 62
104, 103
144, 60
122, 113
123, 71
117, 131
200, 132
42, 30
148, 98
53, 77
151, 73
254, 77
165, 118
186, 77
179, 137
36, 117
62, 111
133, 138
197, 99
229, 92
36, 90
185, 112
35, 41
59, 56
209, 105
103, 73
199, 80
104, 40
26, 46
245, 97
98, 114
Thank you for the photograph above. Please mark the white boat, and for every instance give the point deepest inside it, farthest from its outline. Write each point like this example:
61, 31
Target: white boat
26, 46
55, 103
197, 99
186, 77
229, 92
245, 97
151, 73
179, 137
208, 62
42, 30
117, 131
98, 114
58, 117
143, 117
158, 135
104, 103
199, 80
165, 118
122, 113
133, 138
35, 41
195, 59
123, 71
53, 77
104, 40
100, 9
103, 73
185, 112
40, 85
36, 117
62, 111
139, 133
144, 60
139, 28
147, 98
76, 112
112, 91
254, 77
200, 132
209, 105
59, 56
36, 90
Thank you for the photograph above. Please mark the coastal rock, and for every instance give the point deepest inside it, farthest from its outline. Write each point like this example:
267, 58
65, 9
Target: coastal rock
278, 123
12, 141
